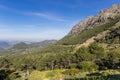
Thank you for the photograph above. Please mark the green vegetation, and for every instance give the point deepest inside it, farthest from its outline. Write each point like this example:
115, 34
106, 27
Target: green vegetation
88, 66
101, 75
93, 62
86, 34
85, 59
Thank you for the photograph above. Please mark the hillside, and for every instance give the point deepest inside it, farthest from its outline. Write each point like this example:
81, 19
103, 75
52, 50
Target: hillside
91, 51
93, 21
92, 26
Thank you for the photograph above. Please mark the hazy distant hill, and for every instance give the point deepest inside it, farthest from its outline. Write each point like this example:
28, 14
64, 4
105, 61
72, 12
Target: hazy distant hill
4, 45
1, 49
42, 43
22, 47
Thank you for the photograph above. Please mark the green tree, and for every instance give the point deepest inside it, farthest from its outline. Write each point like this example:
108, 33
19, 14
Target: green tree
82, 54
88, 66
98, 51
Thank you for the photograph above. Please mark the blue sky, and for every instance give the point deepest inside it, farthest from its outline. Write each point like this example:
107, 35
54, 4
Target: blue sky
45, 19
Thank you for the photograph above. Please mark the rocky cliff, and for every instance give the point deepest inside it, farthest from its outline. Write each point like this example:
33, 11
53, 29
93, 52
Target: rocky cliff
92, 21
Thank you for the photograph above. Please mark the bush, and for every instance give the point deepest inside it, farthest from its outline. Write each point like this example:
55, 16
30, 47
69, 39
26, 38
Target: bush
88, 66
83, 54
73, 66
71, 72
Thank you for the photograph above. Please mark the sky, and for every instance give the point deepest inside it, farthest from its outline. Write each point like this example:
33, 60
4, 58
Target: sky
45, 19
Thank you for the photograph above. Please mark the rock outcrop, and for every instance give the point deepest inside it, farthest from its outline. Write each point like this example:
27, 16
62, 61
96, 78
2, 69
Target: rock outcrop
92, 21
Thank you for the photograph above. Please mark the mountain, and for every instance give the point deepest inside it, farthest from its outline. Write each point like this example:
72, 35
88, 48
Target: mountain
91, 51
1, 49
20, 45
93, 21
42, 43
92, 25
23, 47
4, 45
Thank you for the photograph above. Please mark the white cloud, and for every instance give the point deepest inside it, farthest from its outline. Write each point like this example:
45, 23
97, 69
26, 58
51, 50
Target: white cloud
45, 15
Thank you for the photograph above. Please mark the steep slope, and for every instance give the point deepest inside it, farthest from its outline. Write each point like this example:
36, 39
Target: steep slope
92, 26
92, 21
98, 37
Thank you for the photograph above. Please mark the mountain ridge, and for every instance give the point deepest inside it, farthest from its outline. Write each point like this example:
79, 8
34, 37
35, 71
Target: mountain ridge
92, 21
102, 21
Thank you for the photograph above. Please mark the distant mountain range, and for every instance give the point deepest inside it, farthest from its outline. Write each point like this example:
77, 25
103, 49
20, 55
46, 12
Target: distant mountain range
4, 45
20, 47
1, 49
24, 45
42, 43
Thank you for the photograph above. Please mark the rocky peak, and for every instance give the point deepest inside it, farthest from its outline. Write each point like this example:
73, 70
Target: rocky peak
92, 21
115, 6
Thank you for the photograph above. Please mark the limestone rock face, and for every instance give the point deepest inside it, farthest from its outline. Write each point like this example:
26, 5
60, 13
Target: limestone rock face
92, 21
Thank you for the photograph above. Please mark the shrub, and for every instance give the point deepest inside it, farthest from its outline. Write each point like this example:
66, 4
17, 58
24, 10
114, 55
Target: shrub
71, 72
88, 66
73, 66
